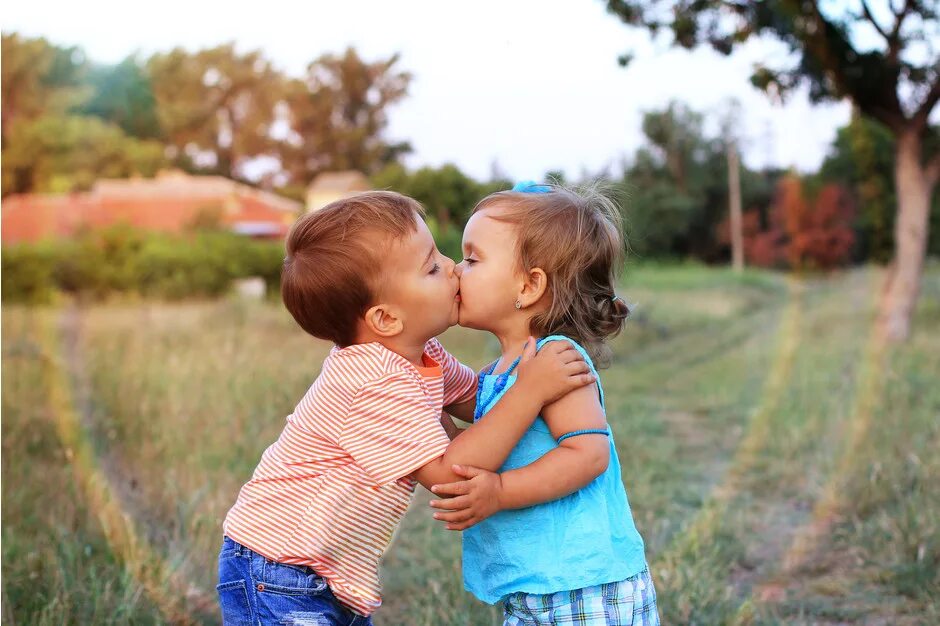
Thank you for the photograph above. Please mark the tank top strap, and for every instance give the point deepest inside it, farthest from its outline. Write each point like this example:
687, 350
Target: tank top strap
587, 358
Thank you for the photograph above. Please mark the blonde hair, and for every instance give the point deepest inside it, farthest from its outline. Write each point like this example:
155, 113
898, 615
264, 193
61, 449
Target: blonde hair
575, 236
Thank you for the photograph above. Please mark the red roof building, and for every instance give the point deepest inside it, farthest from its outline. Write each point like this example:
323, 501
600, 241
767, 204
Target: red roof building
171, 202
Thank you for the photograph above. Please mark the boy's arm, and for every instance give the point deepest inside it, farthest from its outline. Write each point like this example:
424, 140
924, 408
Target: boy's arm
449, 427
464, 410
573, 464
556, 370
460, 383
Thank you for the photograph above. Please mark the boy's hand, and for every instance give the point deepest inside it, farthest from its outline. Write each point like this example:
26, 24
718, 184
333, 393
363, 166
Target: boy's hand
474, 499
554, 371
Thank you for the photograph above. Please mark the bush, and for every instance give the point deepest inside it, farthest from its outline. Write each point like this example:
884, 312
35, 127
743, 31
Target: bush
122, 260
27, 273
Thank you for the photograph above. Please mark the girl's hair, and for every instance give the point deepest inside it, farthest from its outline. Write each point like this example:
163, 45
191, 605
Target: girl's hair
575, 236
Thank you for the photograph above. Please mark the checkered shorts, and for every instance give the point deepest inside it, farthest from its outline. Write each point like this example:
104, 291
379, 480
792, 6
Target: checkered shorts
630, 602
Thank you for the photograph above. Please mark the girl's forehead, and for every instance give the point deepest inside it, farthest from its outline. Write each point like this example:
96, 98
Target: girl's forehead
486, 222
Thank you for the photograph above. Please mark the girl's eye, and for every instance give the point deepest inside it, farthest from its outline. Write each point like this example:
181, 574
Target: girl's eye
469, 261
435, 269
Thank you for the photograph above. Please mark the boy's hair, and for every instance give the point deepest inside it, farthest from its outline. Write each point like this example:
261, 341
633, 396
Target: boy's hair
333, 270
575, 236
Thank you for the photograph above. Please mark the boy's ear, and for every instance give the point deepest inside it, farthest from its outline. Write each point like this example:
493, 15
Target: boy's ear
533, 287
384, 320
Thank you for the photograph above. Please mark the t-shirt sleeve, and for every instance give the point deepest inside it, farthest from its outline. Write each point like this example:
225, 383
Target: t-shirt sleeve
391, 431
460, 382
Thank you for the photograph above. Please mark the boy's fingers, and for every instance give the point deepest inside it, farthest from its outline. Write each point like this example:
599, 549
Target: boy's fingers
451, 504
454, 516
452, 489
467, 471
569, 355
462, 525
585, 379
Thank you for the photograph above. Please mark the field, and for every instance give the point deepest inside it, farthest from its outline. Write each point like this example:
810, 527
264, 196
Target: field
782, 463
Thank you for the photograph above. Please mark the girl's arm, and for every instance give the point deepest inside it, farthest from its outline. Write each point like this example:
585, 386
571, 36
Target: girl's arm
573, 464
553, 372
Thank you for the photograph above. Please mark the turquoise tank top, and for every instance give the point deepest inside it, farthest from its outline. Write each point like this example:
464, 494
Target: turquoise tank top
586, 538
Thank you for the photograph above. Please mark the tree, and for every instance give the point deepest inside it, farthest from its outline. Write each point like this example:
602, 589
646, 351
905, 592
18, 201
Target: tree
48, 145
39, 79
65, 153
338, 114
216, 104
122, 95
897, 84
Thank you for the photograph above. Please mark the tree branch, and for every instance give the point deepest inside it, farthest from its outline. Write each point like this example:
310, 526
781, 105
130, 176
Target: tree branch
923, 112
874, 22
932, 170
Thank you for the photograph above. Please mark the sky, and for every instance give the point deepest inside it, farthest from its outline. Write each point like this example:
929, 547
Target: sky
525, 86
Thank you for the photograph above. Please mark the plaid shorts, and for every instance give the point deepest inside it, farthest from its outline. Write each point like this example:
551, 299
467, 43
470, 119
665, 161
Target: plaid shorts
630, 602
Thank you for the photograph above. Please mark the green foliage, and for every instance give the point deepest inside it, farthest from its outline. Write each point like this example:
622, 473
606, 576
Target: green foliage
65, 153
862, 158
447, 194
123, 96
27, 273
121, 260
674, 194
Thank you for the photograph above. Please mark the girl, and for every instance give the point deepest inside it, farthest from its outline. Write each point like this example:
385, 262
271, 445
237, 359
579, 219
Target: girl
552, 535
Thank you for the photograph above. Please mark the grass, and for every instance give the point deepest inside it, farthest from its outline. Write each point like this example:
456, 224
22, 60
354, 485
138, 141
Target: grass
781, 462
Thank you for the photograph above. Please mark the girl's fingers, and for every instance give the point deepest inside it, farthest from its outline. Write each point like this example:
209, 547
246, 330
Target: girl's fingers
585, 379
529, 351
451, 504
579, 367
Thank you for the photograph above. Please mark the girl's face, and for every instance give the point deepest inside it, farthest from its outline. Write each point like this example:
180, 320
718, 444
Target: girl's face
489, 277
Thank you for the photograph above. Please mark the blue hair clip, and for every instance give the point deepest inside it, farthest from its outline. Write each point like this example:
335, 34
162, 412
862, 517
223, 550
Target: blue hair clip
530, 186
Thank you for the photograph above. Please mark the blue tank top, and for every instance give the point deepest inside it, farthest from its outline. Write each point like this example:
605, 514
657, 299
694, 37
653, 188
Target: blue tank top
586, 538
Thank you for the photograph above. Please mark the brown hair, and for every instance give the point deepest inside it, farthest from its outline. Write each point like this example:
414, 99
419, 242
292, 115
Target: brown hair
332, 269
575, 236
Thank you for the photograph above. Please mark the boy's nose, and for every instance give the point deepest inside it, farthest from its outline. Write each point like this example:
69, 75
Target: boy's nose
451, 266
458, 269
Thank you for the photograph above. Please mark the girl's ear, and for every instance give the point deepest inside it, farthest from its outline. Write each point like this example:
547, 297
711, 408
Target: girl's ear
533, 287
384, 320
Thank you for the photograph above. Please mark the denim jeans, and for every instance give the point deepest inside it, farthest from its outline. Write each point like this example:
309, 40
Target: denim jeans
257, 591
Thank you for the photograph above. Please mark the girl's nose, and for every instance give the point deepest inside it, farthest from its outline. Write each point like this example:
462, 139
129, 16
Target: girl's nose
451, 266
458, 269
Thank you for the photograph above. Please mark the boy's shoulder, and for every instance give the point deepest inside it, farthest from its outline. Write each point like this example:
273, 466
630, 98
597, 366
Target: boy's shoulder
358, 365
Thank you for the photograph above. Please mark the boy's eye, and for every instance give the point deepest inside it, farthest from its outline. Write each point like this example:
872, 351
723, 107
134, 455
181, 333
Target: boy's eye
435, 269
469, 261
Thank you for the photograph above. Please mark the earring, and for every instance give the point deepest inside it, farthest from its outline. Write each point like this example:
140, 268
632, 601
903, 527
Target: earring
518, 304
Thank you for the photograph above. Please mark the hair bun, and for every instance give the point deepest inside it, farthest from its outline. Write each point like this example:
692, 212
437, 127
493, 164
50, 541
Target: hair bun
620, 306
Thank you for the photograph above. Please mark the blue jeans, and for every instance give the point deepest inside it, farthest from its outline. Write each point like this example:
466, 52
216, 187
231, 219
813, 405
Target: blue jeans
255, 591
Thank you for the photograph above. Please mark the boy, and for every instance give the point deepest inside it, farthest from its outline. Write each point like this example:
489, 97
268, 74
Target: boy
304, 539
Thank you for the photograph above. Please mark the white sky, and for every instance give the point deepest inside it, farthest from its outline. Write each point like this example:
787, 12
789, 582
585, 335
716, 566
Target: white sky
534, 86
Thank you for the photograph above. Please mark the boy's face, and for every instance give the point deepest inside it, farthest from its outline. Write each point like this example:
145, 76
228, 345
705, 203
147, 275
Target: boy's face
422, 284
489, 282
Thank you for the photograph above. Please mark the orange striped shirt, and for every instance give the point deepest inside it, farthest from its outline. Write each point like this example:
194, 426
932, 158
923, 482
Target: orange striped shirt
331, 490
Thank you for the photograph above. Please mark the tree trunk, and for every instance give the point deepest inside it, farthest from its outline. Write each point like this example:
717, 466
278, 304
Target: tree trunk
914, 188
734, 207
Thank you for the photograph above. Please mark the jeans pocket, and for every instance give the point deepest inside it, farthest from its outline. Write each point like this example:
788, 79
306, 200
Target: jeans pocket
291, 579
233, 600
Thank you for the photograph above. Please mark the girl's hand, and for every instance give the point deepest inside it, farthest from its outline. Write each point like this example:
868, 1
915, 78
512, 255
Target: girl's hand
554, 371
474, 499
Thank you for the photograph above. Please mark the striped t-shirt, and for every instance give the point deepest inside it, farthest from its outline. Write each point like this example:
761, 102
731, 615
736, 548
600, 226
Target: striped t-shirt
331, 490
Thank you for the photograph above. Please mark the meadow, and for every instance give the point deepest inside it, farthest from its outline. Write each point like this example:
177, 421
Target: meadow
781, 461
